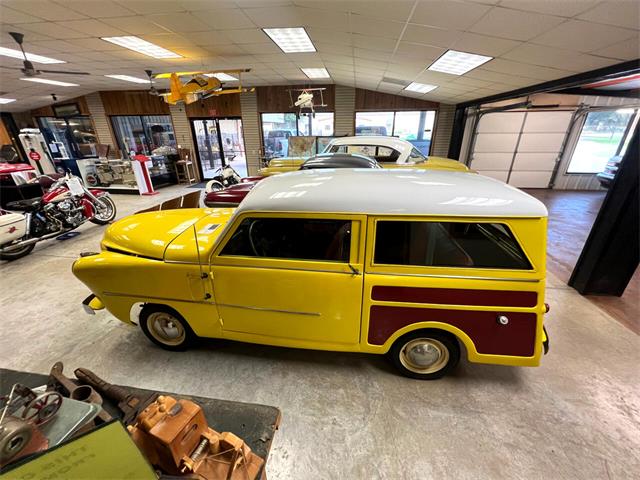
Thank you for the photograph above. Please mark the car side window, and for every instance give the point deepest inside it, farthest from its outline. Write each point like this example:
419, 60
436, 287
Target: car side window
291, 238
448, 244
416, 155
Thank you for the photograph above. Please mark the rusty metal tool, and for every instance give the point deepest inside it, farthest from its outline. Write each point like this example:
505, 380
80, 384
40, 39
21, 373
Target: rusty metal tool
83, 393
128, 403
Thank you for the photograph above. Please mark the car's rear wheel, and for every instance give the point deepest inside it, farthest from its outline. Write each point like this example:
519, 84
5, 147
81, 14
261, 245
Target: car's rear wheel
425, 354
166, 328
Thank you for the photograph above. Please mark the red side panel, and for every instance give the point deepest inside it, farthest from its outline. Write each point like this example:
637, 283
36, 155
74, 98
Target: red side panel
517, 338
455, 296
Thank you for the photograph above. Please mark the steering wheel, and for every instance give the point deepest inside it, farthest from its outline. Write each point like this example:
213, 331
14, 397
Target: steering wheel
252, 243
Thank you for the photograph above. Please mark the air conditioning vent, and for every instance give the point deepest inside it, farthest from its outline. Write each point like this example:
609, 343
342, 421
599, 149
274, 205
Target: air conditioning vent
395, 81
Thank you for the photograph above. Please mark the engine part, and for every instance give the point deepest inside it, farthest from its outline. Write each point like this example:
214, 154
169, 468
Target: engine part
15, 435
82, 393
42, 408
175, 437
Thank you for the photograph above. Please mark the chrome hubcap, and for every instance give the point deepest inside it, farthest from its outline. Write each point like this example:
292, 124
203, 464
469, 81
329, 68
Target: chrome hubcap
166, 328
424, 355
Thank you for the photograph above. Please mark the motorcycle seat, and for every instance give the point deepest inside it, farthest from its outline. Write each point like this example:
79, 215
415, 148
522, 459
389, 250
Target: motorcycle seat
25, 205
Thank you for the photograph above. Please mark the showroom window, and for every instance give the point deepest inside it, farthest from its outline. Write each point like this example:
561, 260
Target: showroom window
69, 137
448, 244
278, 127
414, 126
604, 134
142, 134
291, 238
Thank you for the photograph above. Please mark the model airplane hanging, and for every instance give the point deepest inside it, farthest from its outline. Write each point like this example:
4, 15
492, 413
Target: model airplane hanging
305, 99
201, 85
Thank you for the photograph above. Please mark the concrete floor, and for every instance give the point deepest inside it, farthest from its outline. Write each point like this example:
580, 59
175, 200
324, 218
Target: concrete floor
349, 415
571, 217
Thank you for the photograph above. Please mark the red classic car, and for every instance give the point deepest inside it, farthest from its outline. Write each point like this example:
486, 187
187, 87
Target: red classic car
234, 194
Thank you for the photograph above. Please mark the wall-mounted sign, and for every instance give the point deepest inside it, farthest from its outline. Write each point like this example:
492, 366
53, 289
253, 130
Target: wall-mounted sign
66, 110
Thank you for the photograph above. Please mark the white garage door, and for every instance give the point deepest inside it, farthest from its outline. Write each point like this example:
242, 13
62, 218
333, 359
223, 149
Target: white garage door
520, 148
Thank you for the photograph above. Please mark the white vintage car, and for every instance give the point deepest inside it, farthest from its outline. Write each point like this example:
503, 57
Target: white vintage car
390, 152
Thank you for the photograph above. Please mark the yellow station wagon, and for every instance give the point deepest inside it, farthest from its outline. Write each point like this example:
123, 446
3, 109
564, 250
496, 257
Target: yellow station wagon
319, 259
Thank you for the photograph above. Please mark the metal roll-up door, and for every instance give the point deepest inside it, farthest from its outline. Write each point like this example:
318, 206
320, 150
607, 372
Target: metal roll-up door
520, 147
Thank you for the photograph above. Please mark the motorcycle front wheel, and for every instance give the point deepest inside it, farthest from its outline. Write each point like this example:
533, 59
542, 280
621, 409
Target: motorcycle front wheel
106, 215
16, 254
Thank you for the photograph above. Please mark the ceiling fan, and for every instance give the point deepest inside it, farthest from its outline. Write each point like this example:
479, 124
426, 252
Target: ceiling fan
152, 89
27, 67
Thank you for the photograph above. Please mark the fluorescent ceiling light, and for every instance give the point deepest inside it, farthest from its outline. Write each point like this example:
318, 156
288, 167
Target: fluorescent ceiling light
420, 87
10, 52
316, 72
50, 82
128, 78
291, 40
142, 46
458, 63
223, 77
4, 101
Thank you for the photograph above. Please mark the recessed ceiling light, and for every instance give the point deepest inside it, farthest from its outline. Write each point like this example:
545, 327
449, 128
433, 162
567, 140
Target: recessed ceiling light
128, 78
458, 63
142, 46
50, 82
291, 40
420, 87
316, 72
223, 77
4, 101
32, 57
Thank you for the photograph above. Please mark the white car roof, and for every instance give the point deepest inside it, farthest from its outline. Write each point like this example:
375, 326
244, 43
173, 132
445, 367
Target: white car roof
392, 192
380, 140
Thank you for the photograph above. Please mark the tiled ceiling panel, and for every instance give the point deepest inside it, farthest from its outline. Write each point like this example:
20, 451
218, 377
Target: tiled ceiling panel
359, 42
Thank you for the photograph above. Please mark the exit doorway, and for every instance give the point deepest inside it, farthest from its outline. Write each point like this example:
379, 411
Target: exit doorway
219, 142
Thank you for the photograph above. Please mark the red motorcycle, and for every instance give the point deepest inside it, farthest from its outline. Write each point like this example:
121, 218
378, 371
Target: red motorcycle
66, 205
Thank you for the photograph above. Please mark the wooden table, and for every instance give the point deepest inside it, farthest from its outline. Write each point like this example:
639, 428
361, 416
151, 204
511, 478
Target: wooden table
255, 424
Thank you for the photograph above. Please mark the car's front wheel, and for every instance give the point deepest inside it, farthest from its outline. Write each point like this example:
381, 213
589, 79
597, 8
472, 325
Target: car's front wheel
425, 354
166, 328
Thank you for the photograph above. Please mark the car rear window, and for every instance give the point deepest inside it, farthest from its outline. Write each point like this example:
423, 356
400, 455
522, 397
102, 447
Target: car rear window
448, 244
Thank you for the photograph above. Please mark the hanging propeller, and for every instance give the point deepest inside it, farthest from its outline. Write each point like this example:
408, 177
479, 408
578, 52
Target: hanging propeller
27, 67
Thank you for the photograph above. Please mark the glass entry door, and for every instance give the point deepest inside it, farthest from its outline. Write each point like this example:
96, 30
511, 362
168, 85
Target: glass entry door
219, 143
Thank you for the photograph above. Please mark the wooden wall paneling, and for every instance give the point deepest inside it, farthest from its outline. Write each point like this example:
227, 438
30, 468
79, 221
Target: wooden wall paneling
370, 100
133, 103
5, 138
224, 105
274, 99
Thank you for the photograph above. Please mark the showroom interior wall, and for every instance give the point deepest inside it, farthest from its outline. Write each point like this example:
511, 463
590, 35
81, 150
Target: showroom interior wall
181, 127
343, 101
251, 130
100, 120
524, 147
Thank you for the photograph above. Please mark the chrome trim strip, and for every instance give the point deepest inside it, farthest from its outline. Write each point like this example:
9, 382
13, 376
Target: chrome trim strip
289, 268
459, 277
261, 309
115, 294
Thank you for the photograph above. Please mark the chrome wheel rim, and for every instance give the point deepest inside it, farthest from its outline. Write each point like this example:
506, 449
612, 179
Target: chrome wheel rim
166, 328
106, 212
424, 355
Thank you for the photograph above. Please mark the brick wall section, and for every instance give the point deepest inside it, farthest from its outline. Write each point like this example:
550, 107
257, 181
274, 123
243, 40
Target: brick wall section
444, 126
251, 130
345, 108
